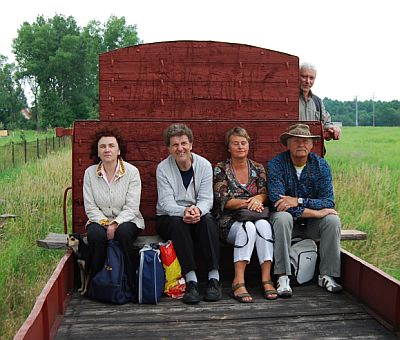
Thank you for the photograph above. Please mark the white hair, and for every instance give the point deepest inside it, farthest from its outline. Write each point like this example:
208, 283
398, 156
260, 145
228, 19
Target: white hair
308, 66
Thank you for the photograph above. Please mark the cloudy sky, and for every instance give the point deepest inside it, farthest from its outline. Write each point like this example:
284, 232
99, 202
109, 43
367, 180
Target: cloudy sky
352, 42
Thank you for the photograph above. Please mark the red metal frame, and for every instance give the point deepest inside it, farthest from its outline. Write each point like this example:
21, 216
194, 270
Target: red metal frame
50, 306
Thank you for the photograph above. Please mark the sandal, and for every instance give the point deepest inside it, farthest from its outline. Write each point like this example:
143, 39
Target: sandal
240, 297
269, 294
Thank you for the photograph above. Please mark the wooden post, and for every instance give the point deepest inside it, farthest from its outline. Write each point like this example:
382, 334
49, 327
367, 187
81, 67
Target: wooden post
12, 153
37, 148
25, 151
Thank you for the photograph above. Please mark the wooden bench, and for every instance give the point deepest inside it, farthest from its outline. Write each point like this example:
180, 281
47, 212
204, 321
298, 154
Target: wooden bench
59, 241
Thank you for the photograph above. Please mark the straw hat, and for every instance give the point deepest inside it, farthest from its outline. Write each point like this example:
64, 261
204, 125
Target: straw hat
297, 130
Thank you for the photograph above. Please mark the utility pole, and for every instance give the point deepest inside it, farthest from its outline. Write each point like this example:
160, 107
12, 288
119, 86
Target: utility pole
373, 110
356, 111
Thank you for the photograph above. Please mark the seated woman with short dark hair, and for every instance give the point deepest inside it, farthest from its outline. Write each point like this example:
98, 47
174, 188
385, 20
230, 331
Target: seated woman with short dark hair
111, 193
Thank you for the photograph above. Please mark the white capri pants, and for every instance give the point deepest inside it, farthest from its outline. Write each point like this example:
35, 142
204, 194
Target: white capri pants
237, 236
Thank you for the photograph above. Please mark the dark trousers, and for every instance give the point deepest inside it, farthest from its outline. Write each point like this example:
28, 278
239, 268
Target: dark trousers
125, 234
184, 236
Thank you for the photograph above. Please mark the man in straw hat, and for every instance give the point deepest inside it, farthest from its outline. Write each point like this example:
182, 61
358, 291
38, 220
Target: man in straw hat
301, 194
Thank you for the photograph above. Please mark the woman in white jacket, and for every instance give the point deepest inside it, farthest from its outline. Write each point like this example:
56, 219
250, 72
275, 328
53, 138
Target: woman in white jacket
111, 193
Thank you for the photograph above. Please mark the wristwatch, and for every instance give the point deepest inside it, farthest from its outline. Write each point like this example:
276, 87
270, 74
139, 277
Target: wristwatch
300, 201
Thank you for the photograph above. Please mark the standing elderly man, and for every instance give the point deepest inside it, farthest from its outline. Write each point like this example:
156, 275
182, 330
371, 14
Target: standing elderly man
185, 198
301, 194
311, 106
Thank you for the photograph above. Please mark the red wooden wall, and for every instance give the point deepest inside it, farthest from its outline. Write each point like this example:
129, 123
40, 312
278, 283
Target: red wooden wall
210, 86
198, 80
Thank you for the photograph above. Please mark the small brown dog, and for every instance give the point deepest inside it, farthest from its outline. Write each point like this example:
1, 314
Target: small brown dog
81, 251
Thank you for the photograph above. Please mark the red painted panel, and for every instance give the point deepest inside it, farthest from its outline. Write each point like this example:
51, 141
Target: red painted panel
45, 316
198, 109
184, 51
379, 291
197, 91
195, 71
61, 132
192, 79
146, 149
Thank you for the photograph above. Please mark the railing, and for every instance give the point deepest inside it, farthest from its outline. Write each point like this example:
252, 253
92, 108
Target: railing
16, 154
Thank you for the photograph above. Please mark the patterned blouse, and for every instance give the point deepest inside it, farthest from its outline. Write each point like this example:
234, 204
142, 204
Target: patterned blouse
226, 187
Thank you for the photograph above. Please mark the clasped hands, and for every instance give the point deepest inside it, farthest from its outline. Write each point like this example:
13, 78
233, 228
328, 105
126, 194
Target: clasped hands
287, 202
111, 230
192, 215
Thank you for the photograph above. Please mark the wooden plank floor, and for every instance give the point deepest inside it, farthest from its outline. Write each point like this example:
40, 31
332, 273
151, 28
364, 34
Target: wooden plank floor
311, 313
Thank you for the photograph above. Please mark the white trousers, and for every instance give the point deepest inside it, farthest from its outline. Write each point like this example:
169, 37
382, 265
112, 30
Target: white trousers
237, 236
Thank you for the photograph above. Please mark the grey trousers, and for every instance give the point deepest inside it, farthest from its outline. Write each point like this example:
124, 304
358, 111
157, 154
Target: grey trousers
326, 229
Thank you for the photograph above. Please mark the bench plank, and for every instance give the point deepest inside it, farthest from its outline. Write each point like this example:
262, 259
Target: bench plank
53, 241
352, 234
59, 241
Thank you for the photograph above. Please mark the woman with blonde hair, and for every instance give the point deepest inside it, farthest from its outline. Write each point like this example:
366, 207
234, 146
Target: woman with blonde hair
239, 183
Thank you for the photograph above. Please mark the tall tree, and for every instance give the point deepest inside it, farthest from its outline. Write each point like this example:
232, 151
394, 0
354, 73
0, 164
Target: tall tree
12, 97
118, 34
59, 60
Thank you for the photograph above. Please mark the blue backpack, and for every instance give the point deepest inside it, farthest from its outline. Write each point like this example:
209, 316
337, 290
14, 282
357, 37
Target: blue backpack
111, 283
150, 275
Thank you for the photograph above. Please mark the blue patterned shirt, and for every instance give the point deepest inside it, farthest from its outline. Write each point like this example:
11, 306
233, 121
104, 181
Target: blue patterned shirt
314, 186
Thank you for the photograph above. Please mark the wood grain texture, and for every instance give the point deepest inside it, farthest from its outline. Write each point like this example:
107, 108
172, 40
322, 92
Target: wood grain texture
194, 79
311, 313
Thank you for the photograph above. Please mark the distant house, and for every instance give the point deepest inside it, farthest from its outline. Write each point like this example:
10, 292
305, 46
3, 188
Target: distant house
27, 113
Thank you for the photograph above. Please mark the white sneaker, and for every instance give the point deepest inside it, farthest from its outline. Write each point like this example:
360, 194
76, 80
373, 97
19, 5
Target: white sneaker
283, 287
329, 284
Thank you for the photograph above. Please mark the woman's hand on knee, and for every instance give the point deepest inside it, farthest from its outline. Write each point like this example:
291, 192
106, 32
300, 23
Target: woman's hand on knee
111, 230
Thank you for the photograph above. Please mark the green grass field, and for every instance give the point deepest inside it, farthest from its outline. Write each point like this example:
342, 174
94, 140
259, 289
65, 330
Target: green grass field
366, 168
34, 193
22, 147
30, 135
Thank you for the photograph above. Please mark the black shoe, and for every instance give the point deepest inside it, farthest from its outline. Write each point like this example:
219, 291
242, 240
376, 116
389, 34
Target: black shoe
213, 291
192, 294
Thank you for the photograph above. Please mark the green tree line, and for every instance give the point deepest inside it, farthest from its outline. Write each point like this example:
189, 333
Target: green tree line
368, 113
58, 61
